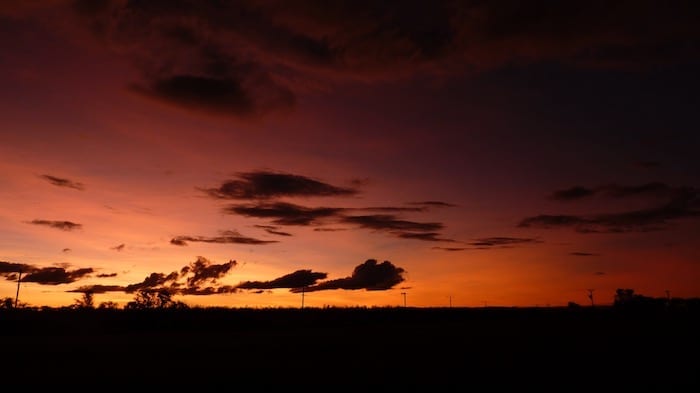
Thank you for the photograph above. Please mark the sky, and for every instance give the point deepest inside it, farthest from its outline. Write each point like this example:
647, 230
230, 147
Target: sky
349, 153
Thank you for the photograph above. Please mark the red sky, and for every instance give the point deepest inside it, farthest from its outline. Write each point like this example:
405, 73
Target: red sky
454, 151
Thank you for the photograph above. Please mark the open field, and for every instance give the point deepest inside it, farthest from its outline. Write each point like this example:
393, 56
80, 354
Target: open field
500, 349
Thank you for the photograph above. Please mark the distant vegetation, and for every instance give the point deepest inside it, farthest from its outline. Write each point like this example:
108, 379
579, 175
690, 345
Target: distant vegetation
162, 299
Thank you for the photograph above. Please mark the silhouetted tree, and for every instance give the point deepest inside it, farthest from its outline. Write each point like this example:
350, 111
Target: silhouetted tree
7, 303
108, 306
159, 299
87, 300
623, 296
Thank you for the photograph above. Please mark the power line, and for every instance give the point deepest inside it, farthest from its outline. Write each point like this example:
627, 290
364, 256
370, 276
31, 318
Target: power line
19, 279
590, 295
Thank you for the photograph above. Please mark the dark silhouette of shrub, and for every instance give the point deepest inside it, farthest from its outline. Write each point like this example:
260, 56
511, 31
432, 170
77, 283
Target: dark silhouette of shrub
159, 299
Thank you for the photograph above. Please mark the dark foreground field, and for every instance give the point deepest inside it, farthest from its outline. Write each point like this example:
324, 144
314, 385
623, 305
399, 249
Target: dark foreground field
374, 349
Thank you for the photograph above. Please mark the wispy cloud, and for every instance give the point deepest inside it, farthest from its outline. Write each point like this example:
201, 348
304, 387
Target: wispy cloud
393, 225
97, 289
266, 185
370, 275
273, 230
489, 243
424, 236
62, 225
668, 204
501, 241
284, 213
297, 279
227, 237
451, 249
583, 254
432, 204
388, 222
61, 182
119, 247
657, 189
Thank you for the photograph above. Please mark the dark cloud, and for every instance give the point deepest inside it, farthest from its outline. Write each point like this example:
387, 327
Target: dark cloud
370, 275
330, 229
452, 249
97, 289
273, 230
195, 274
61, 182
283, 213
432, 204
573, 193
679, 203
491, 242
56, 275
488, 243
227, 237
653, 189
265, 185
119, 247
231, 94
425, 236
657, 189
392, 209
154, 280
583, 254
297, 279
550, 221
178, 242
197, 291
104, 275
387, 222
599, 273
248, 58
404, 229
66, 250
63, 225
203, 270
14, 267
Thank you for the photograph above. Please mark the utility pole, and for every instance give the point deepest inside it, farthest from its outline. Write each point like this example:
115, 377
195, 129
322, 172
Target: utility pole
19, 279
404, 298
450, 301
590, 295
302, 297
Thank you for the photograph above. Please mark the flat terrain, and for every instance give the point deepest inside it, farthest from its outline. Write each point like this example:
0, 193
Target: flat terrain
364, 349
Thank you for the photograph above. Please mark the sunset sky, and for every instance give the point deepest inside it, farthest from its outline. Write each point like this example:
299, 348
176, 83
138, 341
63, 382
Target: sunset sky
479, 153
